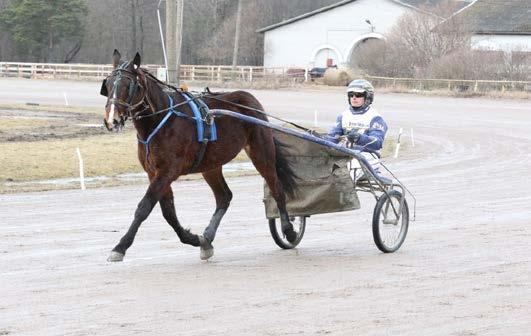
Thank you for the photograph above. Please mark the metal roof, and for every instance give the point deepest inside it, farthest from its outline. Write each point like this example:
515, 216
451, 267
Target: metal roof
497, 17
414, 4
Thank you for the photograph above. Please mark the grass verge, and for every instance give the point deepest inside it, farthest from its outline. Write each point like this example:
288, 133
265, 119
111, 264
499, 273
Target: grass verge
55, 108
107, 155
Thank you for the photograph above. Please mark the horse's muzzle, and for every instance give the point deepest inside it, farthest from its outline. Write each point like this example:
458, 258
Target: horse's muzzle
117, 125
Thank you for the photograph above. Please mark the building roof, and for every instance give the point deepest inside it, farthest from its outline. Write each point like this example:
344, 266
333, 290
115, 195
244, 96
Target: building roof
415, 4
498, 17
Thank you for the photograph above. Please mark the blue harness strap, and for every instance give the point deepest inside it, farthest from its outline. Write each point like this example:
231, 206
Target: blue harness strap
199, 121
161, 124
197, 117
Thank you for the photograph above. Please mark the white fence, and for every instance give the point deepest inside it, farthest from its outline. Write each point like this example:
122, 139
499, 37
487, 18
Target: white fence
98, 71
206, 73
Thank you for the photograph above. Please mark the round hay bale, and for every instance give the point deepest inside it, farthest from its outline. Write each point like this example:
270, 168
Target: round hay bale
340, 77
332, 77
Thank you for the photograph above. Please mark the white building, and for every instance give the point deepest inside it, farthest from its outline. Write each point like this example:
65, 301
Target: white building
330, 35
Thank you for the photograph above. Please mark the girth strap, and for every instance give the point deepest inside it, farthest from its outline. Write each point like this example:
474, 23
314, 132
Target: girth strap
206, 129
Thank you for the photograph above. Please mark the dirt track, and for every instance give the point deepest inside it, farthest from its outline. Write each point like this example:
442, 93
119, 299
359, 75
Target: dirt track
465, 268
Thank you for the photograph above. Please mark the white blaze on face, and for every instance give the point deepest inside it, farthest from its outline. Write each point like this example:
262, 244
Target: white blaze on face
110, 119
111, 115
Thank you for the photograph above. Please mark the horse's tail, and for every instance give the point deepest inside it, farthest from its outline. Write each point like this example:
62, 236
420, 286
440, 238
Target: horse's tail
285, 173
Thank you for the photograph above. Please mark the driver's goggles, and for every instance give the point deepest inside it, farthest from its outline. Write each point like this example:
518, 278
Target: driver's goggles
356, 94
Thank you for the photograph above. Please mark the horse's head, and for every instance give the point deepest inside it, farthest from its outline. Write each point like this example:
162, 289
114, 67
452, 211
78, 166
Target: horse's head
123, 90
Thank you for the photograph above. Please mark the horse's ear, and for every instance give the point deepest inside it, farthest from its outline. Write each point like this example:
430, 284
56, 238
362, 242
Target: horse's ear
103, 90
136, 61
116, 56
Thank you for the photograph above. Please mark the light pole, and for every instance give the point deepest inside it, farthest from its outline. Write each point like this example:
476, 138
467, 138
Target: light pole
162, 41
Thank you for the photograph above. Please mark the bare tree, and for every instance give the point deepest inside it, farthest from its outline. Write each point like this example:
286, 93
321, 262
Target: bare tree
418, 39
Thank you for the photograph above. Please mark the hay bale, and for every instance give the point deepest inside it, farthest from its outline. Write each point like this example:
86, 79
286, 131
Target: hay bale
340, 77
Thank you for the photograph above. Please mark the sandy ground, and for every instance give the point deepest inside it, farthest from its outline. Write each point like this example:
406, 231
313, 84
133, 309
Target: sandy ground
58, 125
464, 269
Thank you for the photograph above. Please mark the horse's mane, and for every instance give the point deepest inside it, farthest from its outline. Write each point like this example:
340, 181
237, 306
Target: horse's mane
214, 93
158, 81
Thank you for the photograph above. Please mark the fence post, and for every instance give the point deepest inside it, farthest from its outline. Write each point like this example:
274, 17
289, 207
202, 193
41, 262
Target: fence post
476, 86
251, 74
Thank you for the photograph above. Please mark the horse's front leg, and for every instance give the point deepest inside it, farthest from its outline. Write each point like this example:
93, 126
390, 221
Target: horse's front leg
223, 196
156, 189
168, 211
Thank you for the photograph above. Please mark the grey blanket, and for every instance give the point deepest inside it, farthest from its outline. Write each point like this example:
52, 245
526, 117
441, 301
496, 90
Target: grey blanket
324, 184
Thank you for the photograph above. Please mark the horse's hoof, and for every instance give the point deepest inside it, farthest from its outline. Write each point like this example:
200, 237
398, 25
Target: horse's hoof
115, 257
206, 254
207, 250
291, 236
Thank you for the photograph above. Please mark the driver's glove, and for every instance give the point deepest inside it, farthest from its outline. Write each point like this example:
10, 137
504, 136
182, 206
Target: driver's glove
353, 136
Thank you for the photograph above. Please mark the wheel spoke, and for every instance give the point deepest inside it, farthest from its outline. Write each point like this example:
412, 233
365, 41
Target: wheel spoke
390, 222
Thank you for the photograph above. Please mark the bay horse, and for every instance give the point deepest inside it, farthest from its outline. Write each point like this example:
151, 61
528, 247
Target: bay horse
168, 147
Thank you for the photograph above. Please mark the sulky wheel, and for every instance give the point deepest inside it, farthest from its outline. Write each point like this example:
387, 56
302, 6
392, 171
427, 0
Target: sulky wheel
389, 227
299, 225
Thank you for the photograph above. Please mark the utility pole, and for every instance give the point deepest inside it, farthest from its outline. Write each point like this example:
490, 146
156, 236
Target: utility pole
237, 36
174, 28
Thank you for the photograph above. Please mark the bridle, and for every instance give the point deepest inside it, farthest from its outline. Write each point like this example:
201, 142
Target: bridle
134, 87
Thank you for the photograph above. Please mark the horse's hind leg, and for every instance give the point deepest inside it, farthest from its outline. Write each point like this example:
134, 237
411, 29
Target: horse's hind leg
223, 196
168, 212
263, 155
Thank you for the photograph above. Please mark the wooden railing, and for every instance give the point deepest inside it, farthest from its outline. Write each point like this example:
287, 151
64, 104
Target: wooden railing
459, 85
98, 71
53, 70
208, 73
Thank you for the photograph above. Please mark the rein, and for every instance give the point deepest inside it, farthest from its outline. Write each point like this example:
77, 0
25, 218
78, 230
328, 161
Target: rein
207, 94
138, 116
257, 110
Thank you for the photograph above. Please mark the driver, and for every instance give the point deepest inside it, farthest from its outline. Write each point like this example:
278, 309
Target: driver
360, 122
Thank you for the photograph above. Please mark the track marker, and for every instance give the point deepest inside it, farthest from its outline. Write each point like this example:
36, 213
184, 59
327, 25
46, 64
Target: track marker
398, 142
81, 173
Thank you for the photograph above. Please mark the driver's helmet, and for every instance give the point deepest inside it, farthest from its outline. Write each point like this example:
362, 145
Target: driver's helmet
361, 86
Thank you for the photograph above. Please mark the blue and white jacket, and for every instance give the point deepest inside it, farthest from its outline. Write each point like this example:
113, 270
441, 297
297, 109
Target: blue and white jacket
367, 122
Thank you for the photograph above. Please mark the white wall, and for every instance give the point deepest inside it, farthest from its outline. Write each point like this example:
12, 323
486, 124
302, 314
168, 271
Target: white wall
301, 43
505, 43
